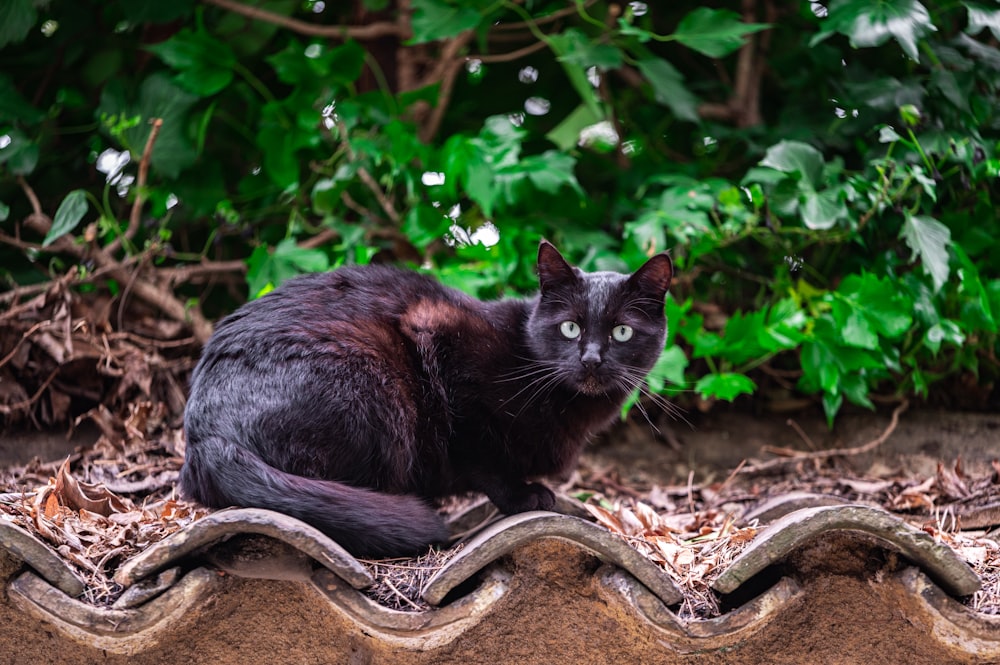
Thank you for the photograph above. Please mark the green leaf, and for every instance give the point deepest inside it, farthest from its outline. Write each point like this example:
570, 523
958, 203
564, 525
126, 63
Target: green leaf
822, 210
563, 46
855, 328
669, 368
551, 170
68, 216
981, 17
205, 62
945, 331
158, 97
577, 49
268, 268
668, 88
566, 134
725, 385
868, 23
886, 307
17, 17
977, 309
20, 153
796, 157
832, 402
929, 240
714, 32
436, 19
4, 211
13, 105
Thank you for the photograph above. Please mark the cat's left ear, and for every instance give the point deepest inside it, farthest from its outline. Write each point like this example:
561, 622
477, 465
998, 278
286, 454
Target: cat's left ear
654, 276
553, 270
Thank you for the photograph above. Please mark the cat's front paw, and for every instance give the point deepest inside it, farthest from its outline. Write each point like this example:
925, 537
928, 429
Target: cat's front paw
532, 496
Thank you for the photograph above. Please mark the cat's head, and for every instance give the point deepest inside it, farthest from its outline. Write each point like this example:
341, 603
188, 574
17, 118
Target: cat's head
600, 332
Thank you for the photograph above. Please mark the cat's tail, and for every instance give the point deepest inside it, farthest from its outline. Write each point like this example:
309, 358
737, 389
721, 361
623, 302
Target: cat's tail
363, 521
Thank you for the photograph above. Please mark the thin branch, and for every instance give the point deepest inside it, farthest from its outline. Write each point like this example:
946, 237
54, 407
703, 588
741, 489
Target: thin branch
834, 452
184, 273
360, 32
508, 57
140, 186
11, 408
146, 291
554, 16
369, 180
36, 205
446, 72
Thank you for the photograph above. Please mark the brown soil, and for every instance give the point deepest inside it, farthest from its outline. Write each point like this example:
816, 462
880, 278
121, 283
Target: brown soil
852, 609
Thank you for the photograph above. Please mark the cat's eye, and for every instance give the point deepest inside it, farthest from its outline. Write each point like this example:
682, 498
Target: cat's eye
569, 329
622, 333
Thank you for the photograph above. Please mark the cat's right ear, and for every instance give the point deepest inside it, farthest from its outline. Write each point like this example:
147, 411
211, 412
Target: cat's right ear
553, 270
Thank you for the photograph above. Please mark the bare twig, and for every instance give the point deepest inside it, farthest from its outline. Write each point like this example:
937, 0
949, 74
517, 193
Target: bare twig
512, 55
446, 72
11, 408
360, 32
181, 274
140, 185
834, 452
369, 181
554, 16
147, 291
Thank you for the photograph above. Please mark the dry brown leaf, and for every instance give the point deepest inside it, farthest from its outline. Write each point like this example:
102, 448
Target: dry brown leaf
51, 506
605, 517
950, 482
78, 495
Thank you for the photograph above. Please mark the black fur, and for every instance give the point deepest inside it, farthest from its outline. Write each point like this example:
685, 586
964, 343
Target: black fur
349, 398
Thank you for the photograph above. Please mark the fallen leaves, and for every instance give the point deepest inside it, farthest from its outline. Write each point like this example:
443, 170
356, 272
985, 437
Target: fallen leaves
693, 548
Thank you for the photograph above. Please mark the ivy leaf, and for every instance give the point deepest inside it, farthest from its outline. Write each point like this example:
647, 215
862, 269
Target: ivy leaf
929, 240
669, 369
867, 23
724, 385
822, 210
577, 49
68, 216
436, 19
796, 157
565, 46
981, 17
267, 269
887, 308
566, 134
20, 153
714, 32
17, 17
945, 331
855, 328
669, 89
205, 62
159, 97
551, 170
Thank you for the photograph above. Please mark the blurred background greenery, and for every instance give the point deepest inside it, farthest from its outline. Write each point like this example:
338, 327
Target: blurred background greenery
822, 173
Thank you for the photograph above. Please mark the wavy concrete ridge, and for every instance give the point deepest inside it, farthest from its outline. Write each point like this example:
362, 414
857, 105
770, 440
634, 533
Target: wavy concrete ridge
783, 536
170, 580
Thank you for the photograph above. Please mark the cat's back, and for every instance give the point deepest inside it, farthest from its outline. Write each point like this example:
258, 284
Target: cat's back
354, 309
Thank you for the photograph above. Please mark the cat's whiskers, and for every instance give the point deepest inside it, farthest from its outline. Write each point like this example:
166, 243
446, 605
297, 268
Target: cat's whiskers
544, 377
637, 377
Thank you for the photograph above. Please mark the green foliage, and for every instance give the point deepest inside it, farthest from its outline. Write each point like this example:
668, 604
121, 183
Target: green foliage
824, 182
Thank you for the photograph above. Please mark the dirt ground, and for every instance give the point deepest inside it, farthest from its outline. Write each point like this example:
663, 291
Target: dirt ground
849, 611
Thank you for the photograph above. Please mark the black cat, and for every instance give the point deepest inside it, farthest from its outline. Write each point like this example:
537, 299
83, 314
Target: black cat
348, 399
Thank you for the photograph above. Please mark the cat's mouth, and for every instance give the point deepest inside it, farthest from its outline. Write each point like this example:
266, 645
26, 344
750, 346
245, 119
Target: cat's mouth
592, 386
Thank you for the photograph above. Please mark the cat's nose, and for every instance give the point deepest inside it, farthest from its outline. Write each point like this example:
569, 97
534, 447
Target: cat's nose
591, 357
